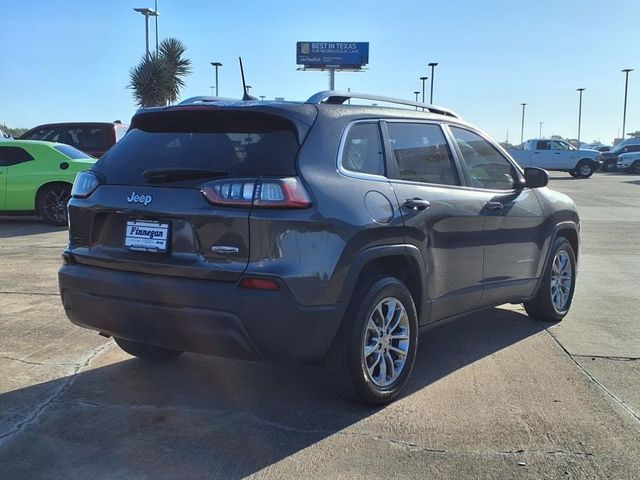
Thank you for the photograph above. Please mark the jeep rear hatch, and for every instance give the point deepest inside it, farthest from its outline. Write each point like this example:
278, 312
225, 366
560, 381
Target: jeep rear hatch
155, 209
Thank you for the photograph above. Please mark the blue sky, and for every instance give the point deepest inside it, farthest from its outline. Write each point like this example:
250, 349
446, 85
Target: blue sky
69, 60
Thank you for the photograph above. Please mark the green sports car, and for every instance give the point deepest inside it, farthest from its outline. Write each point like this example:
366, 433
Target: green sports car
36, 177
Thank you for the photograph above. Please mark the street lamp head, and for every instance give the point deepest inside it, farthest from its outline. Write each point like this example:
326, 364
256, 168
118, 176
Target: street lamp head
416, 93
424, 78
216, 64
580, 89
523, 104
147, 12
433, 64
627, 70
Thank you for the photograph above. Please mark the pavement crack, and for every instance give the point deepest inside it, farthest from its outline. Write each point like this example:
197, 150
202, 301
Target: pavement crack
40, 364
608, 357
46, 294
41, 407
615, 398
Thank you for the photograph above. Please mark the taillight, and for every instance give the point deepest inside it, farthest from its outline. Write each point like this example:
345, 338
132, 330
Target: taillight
262, 193
84, 184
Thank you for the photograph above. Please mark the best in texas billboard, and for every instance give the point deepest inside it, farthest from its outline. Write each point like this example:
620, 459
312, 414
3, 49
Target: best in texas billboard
332, 54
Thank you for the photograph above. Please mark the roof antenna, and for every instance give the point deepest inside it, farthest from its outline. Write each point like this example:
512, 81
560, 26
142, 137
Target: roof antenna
246, 95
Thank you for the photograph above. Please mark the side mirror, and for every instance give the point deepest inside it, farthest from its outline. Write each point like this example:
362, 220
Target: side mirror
535, 177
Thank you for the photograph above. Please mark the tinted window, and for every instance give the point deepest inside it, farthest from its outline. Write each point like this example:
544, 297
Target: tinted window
87, 138
13, 155
49, 134
232, 143
71, 152
422, 153
543, 145
363, 149
486, 167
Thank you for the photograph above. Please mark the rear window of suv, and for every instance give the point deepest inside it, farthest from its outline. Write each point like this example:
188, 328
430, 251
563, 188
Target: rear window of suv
232, 143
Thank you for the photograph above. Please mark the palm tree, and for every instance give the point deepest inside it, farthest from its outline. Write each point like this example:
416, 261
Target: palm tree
158, 79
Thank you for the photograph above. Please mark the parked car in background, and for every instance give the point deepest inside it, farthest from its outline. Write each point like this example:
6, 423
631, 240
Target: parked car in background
557, 155
629, 162
610, 159
333, 234
36, 177
93, 138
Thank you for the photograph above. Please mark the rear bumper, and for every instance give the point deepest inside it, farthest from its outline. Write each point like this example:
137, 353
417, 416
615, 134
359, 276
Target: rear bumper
202, 316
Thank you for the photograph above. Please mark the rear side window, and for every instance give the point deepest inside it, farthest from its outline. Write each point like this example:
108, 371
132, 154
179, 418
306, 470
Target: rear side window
72, 153
13, 156
49, 134
422, 153
362, 151
231, 143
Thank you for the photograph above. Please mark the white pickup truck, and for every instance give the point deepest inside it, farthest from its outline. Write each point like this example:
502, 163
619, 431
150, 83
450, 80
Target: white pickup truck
557, 155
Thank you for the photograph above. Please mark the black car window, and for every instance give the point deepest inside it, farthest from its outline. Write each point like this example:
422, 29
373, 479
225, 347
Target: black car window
362, 151
422, 153
13, 156
48, 134
633, 148
486, 167
71, 152
543, 145
231, 143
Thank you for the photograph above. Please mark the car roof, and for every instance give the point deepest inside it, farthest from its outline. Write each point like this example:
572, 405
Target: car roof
26, 143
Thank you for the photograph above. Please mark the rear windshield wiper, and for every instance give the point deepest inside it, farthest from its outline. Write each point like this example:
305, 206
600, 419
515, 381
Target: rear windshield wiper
166, 175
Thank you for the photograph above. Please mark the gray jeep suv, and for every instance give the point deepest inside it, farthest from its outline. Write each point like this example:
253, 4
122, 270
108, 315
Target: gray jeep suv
310, 231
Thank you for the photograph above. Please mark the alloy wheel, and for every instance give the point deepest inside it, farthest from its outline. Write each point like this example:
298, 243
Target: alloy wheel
561, 280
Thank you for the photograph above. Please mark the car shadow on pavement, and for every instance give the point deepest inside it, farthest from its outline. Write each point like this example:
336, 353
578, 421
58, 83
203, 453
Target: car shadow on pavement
199, 416
21, 226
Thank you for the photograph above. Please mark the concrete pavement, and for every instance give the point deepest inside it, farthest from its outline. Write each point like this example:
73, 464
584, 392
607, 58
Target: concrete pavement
494, 395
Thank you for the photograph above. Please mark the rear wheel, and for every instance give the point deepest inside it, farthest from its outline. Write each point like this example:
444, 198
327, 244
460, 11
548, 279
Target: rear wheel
52, 202
373, 353
553, 299
148, 352
635, 167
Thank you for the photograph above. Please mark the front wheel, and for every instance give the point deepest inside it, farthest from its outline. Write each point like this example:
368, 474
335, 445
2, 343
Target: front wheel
584, 169
373, 353
145, 351
554, 296
52, 203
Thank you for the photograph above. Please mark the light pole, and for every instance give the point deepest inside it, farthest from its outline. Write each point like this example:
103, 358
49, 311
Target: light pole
262, 97
579, 90
417, 92
624, 112
155, 7
522, 127
147, 12
216, 65
433, 66
540, 131
424, 79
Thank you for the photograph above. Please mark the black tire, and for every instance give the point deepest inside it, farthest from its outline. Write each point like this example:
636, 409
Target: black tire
148, 352
584, 169
610, 166
574, 174
635, 167
542, 306
51, 203
346, 361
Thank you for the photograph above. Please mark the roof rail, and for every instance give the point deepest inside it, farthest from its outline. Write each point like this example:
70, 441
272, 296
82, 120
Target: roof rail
205, 99
338, 98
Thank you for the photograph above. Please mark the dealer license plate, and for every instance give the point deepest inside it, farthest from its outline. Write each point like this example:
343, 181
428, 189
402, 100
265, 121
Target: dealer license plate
147, 236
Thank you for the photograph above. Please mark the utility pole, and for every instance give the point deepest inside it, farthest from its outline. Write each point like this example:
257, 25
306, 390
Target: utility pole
147, 12
522, 127
216, 65
433, 66
540, 132
579, 90
416, 93
624, 112
424, 79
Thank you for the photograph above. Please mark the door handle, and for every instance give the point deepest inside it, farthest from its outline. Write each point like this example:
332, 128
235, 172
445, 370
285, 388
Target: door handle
557, 153
536, 153
493, 205
416, 203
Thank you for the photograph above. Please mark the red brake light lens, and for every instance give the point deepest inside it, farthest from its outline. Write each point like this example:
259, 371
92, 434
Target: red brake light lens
259, 284
263, 193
